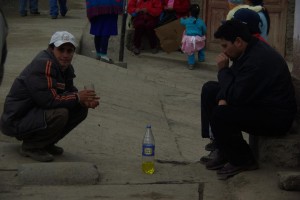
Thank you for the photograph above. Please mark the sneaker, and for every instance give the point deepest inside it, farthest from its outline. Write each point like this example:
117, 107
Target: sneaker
217, 163
106, 59
54, 17
54, 150
37, 154
212, 155
23, 14
230, 170
211, 146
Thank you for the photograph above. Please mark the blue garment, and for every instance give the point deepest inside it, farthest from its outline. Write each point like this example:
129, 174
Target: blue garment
54, 7
263, 26
33, 6
104, 25
193, 29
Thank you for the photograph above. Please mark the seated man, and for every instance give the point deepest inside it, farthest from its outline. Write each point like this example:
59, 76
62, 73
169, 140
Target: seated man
145, 18
43, 105
254, 95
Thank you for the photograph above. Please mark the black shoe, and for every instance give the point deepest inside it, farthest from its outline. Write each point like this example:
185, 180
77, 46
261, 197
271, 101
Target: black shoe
54, 150
230, 170
136, 51
54, 17
211, 146
212, 155
217, 163
37, 154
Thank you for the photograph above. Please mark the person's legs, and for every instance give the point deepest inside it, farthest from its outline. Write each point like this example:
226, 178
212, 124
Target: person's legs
76, 116
191, 61
56, 120
53, 8
208, 103
97, 43
23, 7
40, 144
149, 27
139, 29
33, 5
63, 7
201, 55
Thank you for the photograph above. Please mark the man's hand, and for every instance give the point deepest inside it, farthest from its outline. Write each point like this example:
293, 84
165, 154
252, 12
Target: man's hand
144, 10
222, 61
88, 98
222, 102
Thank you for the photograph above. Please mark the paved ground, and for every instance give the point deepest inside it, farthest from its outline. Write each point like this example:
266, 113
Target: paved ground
156, 89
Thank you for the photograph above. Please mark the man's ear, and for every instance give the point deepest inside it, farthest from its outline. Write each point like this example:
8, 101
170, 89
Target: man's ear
239, 42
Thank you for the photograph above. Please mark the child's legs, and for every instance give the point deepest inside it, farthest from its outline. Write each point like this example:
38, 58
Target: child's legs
191, 59
101, 44
201, 55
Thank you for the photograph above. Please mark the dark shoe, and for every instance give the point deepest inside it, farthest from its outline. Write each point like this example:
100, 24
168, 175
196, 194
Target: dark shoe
218, 162
212, 155
230, 170
23, 14
154, 50
191, 67
55, 150
37, 154
201, 60
136, 51
54, 17
211, 146
35, 13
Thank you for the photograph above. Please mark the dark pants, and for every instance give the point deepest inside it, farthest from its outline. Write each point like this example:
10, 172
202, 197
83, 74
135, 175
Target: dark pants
101, 44
228, 122
145, 24
60, 122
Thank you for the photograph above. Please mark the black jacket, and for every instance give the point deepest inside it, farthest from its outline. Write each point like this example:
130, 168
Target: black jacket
40, 86
259, 78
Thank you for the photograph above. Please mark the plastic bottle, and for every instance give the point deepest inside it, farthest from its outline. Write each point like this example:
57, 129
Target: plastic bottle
148, 151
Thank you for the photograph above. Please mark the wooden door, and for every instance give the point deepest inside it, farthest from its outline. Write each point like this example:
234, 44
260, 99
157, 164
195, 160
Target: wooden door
216, 11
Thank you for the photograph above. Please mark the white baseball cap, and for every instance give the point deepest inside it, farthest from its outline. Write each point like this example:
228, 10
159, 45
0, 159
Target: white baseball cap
62, 37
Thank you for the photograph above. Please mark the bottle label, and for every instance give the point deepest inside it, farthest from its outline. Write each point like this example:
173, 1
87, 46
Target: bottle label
148, 150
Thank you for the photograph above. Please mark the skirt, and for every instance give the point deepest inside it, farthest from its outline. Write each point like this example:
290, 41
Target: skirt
192, 44
104, 25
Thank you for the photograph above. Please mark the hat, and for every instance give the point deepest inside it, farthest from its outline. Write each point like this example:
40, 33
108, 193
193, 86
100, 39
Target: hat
236, 1
249, 17
62, 37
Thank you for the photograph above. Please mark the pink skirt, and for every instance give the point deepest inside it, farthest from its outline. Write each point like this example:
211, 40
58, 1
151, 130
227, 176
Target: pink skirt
192, 44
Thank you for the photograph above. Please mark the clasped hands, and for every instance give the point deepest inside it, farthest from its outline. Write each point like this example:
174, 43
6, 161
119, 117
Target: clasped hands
88, 98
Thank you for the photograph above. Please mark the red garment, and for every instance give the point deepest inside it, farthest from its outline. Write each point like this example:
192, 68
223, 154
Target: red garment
180, 6
154, 7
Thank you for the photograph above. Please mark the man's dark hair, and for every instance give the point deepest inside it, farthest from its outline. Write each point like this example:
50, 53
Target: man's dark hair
232, 29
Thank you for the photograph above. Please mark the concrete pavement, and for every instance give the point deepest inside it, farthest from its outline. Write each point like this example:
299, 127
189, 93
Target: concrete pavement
157, 90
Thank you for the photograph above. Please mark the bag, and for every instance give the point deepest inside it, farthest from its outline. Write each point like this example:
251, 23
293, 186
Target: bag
167, 16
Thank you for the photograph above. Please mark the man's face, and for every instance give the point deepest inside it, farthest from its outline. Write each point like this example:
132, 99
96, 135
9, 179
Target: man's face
232, 50
64, 54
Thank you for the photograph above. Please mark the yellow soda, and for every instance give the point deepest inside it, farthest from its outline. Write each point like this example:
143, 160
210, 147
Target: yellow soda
148, 167
148, 151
